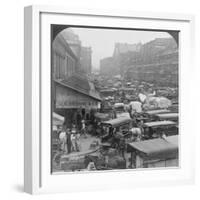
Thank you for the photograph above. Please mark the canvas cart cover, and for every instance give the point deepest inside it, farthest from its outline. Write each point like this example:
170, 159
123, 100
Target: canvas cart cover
168, 116
101, 116
123, 114
117, 121
173, 139
159, 111
156, 148
159, 123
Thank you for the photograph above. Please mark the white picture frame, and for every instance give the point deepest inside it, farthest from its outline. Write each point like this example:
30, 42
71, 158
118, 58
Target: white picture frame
37, 174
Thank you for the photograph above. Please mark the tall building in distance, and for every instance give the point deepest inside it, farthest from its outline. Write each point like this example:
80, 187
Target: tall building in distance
156, 58
86, 59
121, 48
118, 61
107, 66
156, 63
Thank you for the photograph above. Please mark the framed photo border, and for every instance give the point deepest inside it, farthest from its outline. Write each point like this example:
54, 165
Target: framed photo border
32, 85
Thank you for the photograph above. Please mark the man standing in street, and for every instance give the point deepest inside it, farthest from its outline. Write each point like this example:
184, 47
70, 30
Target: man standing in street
69, 143
83, 128
73, 140
62, 138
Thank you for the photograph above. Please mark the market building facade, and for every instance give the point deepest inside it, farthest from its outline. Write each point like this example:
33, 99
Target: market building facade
73, 95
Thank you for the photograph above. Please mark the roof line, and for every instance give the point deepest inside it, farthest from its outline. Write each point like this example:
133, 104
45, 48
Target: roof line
63, 84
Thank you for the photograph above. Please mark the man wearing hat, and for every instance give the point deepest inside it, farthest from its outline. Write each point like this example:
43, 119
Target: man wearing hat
62, 138
69, 143
73, 140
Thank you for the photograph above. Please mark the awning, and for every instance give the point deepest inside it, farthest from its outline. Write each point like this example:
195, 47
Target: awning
81, 85
70, 97
58, 119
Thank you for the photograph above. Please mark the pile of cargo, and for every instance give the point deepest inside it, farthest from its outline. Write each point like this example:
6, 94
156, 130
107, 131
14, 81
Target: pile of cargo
74, 164
109, 159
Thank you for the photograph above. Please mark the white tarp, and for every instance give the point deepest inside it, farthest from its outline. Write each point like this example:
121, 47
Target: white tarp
142, 97
157, 102
136, 106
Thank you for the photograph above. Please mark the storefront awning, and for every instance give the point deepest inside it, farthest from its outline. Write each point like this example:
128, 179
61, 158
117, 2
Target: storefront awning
81, 85
58, 119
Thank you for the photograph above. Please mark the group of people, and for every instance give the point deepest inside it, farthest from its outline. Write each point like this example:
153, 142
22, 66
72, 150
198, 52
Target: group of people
70, 138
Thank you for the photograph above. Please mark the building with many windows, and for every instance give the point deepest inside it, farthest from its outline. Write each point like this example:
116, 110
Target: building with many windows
121, 48
155, 61
122, 55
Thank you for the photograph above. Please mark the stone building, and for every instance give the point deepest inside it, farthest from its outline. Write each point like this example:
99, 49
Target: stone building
83, 54
155, 61
73, 95
121, 48
107, 66
86, 59
73, 41
120, 59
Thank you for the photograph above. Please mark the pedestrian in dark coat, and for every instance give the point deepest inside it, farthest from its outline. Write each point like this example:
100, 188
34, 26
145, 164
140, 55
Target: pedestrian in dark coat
69, 143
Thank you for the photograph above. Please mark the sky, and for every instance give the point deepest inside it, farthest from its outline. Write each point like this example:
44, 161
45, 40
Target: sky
102, 41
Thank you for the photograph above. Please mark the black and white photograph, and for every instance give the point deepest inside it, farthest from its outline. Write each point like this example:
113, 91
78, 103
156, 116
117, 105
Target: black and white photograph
114, 99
